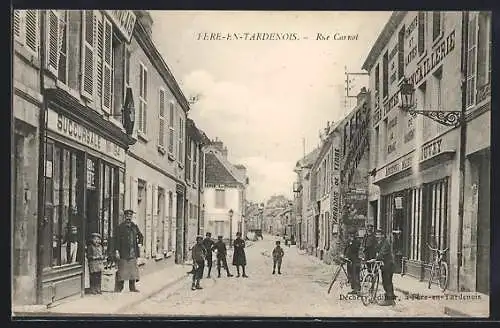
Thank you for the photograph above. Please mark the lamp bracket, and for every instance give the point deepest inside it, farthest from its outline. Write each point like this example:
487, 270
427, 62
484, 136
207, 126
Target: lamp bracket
448, 118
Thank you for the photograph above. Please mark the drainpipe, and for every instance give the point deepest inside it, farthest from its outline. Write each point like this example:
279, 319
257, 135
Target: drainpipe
463, 140
41, 163
199, 189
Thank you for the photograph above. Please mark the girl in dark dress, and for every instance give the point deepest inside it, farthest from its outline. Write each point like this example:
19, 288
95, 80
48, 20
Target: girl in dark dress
239, 257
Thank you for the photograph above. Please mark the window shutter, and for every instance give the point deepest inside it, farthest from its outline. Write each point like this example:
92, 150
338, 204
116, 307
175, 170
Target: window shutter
107, 70
17, 23
145, 95
99, 49
161, 132
140, 119
87, 81
32, 37
54, 43
171, 129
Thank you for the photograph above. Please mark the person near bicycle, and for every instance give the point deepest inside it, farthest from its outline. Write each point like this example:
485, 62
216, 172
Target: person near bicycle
369, 244
351, 252
384, 254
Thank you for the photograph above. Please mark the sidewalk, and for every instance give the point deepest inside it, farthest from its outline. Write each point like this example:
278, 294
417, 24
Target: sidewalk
111, 303
464, 304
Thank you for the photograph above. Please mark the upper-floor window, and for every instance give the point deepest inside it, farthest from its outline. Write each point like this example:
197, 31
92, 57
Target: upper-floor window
471, 60
385, 75
436, 24
483, 50
161, 117
401, 53
377, 78
181, 141
188, 159
126, 70
195, 163
421, 32
62, 67
171, 129
27, 29
143, 98
220, 198
346, 136
202, 168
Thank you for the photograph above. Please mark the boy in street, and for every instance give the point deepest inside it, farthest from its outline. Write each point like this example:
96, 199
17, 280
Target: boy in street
353, 267
198, 256
384, 254
221, 249
278, 254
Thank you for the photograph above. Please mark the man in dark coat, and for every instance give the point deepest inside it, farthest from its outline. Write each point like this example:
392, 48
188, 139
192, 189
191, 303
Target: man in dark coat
384, 254
351, 252
198, 255
239, 257
208, 243
369, 244
221, 249
127, 240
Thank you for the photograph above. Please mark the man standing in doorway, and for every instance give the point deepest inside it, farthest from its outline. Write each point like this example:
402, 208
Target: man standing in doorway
208, 243
128, 237
384, 254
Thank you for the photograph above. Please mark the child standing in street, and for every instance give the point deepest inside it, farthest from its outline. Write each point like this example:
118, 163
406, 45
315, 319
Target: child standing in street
96, 263
278, 254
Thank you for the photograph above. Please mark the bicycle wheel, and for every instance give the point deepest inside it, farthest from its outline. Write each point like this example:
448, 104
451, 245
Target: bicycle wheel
443, 276
375, 284
366, 289
334, 279
431, 275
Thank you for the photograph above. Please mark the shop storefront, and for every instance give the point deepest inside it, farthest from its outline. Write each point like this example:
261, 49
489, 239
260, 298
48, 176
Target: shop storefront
416, 204
84, 193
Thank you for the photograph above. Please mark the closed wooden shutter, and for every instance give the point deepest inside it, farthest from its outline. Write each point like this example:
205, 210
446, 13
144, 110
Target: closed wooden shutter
155, 220
166, 220
171, 135
32, 30
54, 43
88, 38
134, 184
107, 86
161, 116
149, 221
17, 23
99, 50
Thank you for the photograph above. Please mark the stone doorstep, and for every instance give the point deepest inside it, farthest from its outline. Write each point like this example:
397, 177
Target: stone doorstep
112, 302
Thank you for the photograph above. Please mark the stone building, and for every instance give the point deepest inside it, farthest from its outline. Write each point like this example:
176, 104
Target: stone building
414, 160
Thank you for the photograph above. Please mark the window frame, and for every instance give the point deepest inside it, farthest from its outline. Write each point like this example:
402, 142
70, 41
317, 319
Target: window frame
142, 96
162, 118
64, 31
21, 38
217, 202
171, 129
472, 77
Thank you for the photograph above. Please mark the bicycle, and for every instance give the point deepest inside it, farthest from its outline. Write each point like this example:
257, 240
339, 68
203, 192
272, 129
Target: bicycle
369, 284
343, 262
439, 267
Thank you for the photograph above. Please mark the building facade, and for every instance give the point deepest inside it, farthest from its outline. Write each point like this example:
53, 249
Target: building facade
195, 169
84, 140
415, 161
156, 163
224, 193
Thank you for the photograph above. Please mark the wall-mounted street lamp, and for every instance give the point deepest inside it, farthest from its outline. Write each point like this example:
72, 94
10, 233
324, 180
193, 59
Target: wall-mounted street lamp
231, 212
408, 104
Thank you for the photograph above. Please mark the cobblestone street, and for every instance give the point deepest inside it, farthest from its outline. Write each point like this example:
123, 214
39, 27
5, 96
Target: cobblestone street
301, 291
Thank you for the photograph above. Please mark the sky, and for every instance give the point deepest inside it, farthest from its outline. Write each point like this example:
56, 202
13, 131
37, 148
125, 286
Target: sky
262, 98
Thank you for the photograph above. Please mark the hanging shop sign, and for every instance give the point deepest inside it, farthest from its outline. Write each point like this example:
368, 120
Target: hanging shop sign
75, 131
124, 21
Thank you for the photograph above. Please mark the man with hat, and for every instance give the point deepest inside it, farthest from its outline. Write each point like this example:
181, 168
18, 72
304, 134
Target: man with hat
198, 253
128, 237
351, 252
221, 249
384, 254
239, 257
369, 244
208, 243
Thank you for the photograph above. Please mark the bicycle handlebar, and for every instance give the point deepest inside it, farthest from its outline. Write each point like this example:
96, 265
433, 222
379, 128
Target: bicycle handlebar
437, 250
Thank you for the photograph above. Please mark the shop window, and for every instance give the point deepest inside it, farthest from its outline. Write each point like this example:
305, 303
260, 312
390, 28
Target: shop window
63, 211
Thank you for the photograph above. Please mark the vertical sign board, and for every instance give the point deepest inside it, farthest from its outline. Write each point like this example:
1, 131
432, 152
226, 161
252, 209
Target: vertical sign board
335, 206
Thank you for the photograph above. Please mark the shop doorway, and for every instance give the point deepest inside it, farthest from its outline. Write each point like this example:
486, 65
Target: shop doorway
141, 214
179, 229
374, 213
483, 225
170, 218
